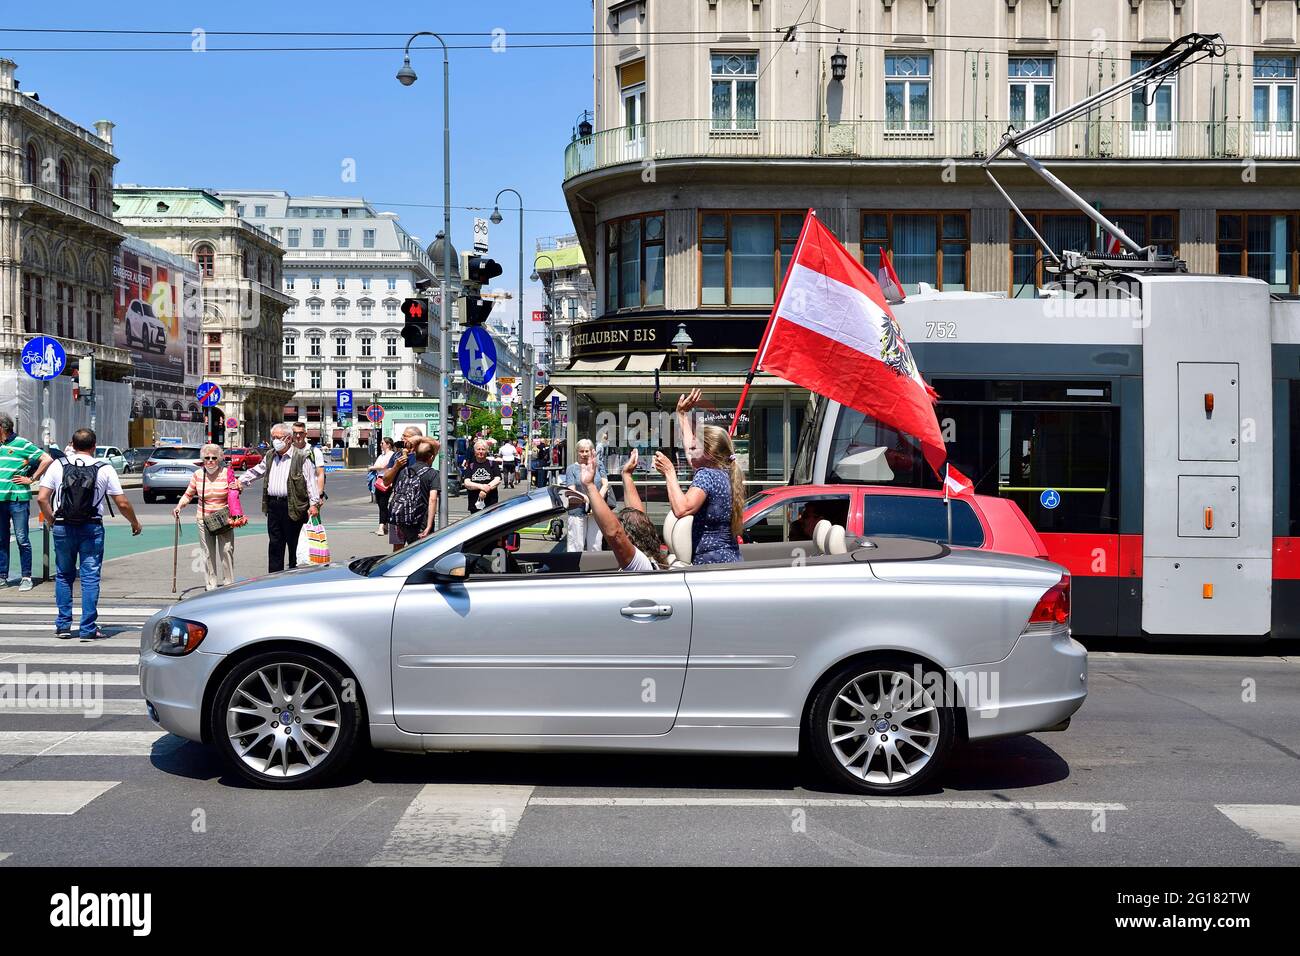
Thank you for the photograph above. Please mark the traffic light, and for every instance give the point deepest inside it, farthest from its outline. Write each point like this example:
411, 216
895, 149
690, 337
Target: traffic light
415, 333
481, 270
477, 309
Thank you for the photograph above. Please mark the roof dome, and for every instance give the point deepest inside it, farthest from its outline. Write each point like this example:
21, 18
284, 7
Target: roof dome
435, 253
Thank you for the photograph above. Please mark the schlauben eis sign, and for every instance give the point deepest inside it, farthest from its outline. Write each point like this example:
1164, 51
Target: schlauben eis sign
637, 333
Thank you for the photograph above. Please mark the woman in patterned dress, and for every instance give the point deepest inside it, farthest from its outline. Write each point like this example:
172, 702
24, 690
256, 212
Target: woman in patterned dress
716, 495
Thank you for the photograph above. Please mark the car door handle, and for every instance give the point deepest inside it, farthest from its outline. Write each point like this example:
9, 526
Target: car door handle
647, 610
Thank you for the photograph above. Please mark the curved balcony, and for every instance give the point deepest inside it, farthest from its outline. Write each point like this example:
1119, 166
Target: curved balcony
1098, 140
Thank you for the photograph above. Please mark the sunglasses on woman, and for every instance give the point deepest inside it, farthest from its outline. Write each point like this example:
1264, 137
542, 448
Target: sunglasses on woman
212, 458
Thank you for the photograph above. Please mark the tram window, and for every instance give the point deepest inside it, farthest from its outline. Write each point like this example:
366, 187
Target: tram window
1071, 451
911, 516
1294, 457
863, 451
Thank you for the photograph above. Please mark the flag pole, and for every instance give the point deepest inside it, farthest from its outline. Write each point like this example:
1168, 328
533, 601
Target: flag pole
947, 503
771, 321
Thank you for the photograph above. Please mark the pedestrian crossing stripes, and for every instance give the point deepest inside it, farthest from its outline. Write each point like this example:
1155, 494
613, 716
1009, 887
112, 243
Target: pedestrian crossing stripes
93, 706
104, 610
62, 797
69, 659
42, 638
87, 743
1277, 822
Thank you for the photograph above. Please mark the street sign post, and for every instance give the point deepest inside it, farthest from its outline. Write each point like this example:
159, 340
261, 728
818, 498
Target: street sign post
506, 412
208, 394
477, 354
44, 358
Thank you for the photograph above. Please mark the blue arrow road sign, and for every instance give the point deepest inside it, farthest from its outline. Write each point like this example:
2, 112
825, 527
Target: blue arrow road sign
44, 358
1049, 499
477, 354
208, 394
343, 401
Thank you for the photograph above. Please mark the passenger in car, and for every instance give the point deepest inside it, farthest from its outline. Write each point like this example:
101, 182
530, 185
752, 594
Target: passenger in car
717, 494
631, 534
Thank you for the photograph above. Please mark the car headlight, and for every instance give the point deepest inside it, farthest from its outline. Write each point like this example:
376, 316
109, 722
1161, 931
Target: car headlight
176, 636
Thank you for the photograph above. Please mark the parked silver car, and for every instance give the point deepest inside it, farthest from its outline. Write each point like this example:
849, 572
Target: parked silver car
167, 472
878, 659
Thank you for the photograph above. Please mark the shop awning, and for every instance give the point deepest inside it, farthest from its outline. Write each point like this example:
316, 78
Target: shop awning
596, 365
644, 363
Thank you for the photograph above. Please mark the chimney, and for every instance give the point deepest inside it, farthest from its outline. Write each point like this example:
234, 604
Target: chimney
105, 130
230, 207
7, 81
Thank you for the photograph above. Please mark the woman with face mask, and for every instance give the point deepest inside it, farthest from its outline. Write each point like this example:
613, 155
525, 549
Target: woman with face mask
211, 484
716, 495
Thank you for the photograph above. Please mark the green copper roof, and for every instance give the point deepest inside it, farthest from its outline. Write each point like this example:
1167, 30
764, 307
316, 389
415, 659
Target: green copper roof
153, 203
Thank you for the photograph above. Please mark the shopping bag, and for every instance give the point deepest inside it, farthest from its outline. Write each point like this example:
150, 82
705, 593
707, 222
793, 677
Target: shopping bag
237, 517
303, 557
317, 542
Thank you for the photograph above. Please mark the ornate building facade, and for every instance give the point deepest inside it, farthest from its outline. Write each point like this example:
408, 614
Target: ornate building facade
57, 243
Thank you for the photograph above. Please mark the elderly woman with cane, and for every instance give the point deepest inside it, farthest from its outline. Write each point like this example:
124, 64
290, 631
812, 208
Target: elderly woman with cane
214, 486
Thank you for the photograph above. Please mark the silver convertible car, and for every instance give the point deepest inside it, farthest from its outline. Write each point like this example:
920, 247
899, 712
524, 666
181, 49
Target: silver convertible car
876, 658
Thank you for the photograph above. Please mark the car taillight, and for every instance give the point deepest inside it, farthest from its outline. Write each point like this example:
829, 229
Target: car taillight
150, 463
1054, 606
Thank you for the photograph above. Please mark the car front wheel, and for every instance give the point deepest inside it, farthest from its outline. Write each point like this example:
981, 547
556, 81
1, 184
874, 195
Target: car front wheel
880, 726
285, 719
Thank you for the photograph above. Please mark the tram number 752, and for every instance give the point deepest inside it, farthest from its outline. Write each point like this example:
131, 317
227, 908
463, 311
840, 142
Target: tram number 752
941, 330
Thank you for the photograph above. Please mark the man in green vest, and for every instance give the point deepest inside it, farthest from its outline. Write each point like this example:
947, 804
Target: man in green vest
289, 497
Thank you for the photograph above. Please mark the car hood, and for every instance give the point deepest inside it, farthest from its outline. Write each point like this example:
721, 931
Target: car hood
312, 581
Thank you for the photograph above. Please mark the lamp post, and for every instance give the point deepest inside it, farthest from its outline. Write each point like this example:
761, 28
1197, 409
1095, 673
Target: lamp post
550, 316
406, 76
682, 342
525, 370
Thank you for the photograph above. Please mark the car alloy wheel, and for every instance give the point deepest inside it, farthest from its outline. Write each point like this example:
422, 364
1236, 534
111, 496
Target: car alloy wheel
283, 719
877, 729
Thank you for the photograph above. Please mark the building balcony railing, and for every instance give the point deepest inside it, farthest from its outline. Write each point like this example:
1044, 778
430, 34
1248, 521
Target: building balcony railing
1085, 139
104, 354
82, 216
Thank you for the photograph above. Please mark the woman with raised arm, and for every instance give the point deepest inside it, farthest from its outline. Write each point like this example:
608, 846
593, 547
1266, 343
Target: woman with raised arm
631, 534
716, 496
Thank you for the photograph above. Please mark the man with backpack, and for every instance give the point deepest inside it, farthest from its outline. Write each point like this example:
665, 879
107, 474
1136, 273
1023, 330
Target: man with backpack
413, 505
72, 497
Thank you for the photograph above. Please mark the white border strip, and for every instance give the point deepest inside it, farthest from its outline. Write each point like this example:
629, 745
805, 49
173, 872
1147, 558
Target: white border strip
890, 803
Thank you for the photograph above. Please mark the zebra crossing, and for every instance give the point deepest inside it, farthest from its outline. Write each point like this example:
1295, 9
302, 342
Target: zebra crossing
55, 766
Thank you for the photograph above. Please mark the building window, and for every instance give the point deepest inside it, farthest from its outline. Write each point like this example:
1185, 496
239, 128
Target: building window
1274, 96
291, 376
366, 309
366, 347
392, 283
340, 378
93, 192
318, 238
277, 232
315, 283
1076, 232
290, 345
214, 361
294, 235
214, 338
1259, 245
65, 179
365, 283
239, 211
259, 212
391, 376
33, 165
315, 341
634, 262
368, 238
315, 378
345, 238
95, 317
191, 352
313, 308
1153, 103
340, 310
390, 308
1031, 89
735, 90
931, 247
288, 283
206, 260
631, 81
33, 303
907, 92
63, 302
365, 379
340, 346
573, 309
390, 346
340, 283
744, 255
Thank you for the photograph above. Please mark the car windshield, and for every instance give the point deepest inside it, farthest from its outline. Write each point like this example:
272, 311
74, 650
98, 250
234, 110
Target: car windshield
175, 453
429, 545
101, 450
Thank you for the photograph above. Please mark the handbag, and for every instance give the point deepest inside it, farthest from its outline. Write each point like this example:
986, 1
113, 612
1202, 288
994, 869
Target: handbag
218, 522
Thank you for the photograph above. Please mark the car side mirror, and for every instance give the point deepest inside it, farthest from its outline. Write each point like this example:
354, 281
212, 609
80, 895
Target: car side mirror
451, 569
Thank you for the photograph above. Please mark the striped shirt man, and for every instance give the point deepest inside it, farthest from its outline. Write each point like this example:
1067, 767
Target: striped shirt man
17, 455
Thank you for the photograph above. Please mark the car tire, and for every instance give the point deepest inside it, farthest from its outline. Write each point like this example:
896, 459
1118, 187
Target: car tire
296, 758
150, 498
853, 747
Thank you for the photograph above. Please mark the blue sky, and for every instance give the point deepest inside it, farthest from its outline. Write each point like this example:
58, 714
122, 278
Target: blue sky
289, 120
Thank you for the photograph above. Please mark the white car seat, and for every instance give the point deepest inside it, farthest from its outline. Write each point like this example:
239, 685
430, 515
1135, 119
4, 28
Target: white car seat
836, 540
670, 519
680, 545
821, 531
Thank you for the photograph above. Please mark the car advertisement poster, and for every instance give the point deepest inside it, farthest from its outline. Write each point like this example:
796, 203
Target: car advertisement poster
154, 303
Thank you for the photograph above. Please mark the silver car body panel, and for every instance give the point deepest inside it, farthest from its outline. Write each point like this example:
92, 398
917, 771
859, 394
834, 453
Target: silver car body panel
709, 659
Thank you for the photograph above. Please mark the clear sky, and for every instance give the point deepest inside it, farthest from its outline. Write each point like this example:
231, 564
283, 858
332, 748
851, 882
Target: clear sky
291, 120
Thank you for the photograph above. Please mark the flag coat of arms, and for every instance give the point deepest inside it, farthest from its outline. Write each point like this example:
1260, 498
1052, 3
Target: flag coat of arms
832, 332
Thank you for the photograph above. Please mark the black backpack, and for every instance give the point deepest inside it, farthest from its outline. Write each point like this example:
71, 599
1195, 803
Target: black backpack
410, 501
77, 504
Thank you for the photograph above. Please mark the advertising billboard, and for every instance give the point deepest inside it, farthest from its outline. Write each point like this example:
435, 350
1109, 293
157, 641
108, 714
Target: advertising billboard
156, 299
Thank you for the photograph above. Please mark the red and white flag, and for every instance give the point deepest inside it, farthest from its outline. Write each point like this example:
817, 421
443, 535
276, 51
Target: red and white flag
831, 331
1110, 245
955, 483
888, 279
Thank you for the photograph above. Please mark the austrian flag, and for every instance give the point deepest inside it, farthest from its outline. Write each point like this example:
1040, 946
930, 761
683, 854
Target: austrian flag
833, 333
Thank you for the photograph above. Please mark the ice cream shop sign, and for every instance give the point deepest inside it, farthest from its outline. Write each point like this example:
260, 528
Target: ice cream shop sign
625, 335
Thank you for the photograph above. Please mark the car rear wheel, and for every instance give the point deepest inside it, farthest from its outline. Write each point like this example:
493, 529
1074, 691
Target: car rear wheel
150, 498
879, 725
285, 719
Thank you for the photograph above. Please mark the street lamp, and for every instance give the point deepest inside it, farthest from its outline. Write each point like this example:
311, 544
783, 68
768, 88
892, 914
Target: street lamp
547, 293
524, 368
406, 76
682, 342
583, 129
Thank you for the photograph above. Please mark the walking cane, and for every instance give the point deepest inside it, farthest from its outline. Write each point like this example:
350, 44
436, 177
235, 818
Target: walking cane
176, 551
